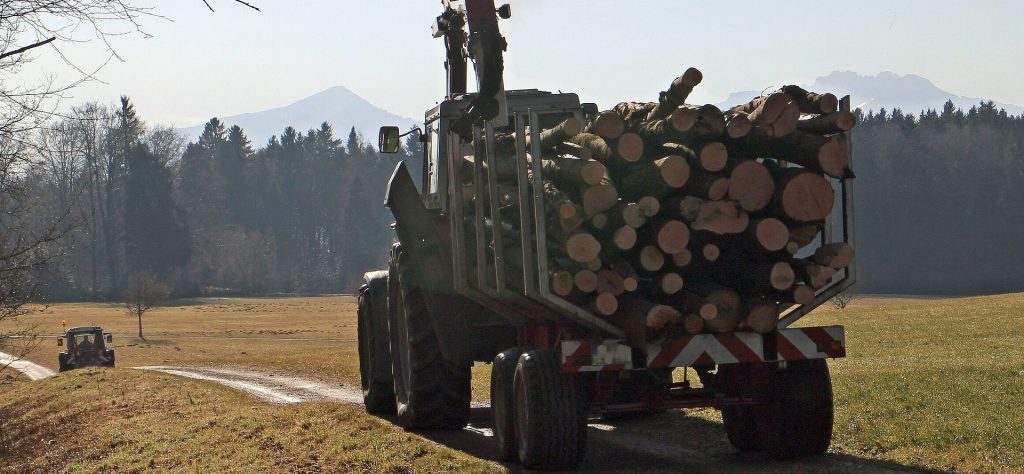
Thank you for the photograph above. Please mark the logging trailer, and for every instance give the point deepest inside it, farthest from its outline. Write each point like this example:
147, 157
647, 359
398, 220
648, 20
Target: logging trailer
468, 281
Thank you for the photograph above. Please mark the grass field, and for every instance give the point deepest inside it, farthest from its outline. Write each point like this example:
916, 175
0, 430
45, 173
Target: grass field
929, 383
104, 420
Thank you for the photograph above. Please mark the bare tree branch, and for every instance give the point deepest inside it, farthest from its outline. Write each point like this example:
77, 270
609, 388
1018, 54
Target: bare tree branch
26, 48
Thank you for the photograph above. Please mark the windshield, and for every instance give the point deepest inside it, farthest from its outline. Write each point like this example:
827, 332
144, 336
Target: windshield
86, 341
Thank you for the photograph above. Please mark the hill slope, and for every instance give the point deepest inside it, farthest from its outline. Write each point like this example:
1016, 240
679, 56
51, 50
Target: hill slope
911, 93
338, 106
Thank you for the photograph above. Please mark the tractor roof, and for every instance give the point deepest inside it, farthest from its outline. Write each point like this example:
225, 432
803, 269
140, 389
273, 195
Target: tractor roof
85, 329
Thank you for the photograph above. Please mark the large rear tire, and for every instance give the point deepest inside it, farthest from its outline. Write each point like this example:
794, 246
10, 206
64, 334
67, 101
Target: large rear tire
430, 392
62, 362
797, 418
374, 348
550, 419
503, 371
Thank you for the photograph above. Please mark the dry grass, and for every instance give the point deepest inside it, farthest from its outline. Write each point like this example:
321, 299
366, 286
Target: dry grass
103, 420
933, 383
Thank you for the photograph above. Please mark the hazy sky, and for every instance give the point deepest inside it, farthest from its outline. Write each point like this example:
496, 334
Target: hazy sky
236, 60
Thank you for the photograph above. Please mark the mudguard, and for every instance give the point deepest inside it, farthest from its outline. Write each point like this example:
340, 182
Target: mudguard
432, 258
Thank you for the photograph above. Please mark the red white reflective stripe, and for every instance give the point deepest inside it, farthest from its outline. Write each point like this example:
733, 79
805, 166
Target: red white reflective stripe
812, 343
595, 355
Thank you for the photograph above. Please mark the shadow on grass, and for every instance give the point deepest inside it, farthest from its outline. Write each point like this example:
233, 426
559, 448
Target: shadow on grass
665, 442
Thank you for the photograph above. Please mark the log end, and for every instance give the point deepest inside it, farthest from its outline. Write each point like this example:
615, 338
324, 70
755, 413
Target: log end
609, 125
806, 197
585, 281
682, 258
771, 234
673, 237
714, 156
630, 146
782, 276
624, 238
671, 283
649, 206
675, 171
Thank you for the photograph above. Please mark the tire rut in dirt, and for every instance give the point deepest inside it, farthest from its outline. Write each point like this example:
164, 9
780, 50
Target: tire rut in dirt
431, 393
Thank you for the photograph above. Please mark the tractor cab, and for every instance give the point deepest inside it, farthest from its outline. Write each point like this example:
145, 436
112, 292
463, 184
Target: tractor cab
85, 346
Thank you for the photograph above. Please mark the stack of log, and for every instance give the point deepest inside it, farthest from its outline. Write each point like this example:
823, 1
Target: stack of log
670, 218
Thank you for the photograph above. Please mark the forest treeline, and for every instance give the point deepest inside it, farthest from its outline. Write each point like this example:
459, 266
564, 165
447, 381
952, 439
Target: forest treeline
939, 204
940, 201
301, 214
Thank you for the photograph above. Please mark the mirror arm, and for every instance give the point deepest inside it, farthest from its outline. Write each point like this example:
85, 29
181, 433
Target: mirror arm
414, 129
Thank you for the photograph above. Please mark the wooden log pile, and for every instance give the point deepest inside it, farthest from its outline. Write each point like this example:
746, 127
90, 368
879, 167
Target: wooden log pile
670, 218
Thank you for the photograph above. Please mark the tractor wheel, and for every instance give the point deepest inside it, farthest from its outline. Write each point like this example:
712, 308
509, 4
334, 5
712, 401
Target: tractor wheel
110, 354
550, 419
740, 422
503, 372
374, 348
430, 392
62, 362
797, 418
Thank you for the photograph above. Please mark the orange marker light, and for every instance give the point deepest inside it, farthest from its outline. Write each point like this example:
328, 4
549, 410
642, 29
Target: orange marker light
64, 323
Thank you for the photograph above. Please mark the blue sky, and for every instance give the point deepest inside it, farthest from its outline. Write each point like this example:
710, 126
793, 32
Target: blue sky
200, 64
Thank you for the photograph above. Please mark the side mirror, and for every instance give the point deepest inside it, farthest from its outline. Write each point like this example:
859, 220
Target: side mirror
60, 342
110, 338
505, 12
388, 140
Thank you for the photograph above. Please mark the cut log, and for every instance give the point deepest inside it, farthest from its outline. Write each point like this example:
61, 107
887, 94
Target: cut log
623, 238
824, 154
660, 315
689, 302
572, 149
737, 124
604, 304
626, 214
559, 133
651, 258
595, 264
609, 281
751, 184
634, 113
710, 252
764, 110
608, 124
729, 306
814, 275
803, 195
630, 279
804, 235
682, 258
598, 199
562, 283
582, 246
685, 117
568, 215
706, 185
810, 102
769, 234
670, 283
585, 281
713, 156
827, 124
602, 151
654, 179
650, 206
762, 315
693, 323
599, 221
676, 94
686, 207
630, 147
836, 255
721, 218
570, 173
671, 236
787, 122
799, 294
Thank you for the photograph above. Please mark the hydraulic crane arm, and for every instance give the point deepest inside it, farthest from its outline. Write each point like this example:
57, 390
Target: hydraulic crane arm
486, 47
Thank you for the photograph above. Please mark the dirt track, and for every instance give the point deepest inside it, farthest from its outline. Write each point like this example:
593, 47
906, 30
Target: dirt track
669, 442
31, 370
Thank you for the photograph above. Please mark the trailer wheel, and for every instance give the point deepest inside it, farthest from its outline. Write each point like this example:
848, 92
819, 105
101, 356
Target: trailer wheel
550, 419
740, 422
430, 392
374, 348
503, 371
797, 419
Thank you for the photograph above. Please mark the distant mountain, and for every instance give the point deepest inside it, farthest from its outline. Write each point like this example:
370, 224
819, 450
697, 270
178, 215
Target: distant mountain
338, 106
910, 93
